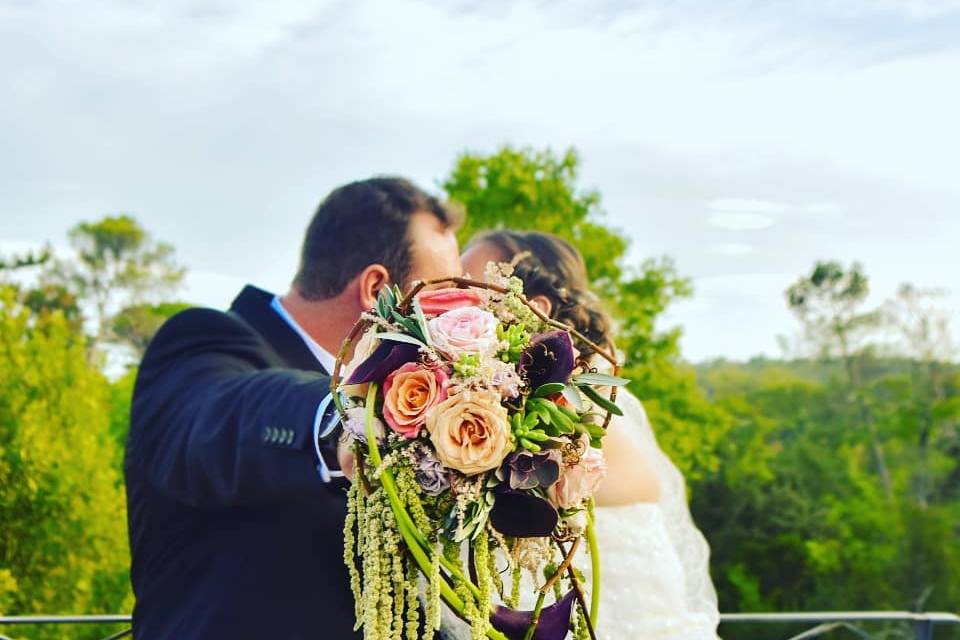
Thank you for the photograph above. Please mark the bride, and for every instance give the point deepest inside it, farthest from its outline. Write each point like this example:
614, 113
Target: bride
656, 581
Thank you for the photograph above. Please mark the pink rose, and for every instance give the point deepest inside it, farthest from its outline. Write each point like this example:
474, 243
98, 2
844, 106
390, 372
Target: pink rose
408, 393
467, 330
440, 301
580, 481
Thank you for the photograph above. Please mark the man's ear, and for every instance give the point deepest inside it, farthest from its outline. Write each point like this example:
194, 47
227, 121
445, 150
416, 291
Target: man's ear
543, 304
370, 282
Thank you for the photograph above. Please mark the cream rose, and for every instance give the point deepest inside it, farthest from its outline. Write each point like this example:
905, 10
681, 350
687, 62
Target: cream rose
362, 350
470, 432
408, 393
467, 330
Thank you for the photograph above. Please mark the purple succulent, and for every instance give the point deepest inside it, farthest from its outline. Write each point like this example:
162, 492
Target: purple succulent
385, 359
553, 624
548, 358
524, 470
431, 475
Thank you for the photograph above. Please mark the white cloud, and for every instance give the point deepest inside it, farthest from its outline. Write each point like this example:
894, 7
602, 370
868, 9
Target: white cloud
732, 249
740, 221
823, 208
747, 205
745, 285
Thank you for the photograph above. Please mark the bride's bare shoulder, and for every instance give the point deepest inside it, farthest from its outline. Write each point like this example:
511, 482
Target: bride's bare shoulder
631, 474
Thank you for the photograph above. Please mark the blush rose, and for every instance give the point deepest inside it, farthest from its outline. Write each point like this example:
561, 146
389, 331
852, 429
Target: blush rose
464, 331
579, 481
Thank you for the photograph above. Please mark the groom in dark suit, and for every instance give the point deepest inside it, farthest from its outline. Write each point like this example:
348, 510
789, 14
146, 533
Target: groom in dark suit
235, 499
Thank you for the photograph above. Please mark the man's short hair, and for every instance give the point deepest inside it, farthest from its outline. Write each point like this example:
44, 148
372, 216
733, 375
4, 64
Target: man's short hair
360, 224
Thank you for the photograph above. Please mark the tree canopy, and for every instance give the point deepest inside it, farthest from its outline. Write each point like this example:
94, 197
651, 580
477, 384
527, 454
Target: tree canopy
829, 481
63, 543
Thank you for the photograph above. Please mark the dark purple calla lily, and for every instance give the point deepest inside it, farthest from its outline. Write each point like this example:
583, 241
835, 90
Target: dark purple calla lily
548, 358
385, 359
553, 625
520, 514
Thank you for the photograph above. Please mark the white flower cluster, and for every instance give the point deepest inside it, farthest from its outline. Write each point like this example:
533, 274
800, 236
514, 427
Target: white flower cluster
532, 554
492, 374
356, 424
509, 307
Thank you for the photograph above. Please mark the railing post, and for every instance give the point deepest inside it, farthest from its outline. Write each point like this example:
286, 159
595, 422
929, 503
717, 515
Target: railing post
923, 630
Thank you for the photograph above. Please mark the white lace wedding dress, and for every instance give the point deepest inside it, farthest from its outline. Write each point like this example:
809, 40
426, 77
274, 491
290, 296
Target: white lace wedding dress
654, 561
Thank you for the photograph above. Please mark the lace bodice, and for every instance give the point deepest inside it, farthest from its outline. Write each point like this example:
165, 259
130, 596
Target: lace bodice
644, 589
654, 561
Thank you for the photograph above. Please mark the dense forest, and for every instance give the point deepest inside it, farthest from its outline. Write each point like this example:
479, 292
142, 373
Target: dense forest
826, 481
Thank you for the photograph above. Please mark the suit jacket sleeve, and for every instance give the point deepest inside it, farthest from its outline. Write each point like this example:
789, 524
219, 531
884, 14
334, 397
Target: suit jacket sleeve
212, 424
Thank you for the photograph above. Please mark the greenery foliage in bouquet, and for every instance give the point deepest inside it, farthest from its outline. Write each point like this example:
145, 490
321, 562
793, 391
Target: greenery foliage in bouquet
477, 428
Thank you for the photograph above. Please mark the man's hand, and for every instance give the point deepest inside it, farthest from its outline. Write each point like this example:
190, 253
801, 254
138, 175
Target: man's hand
345, 456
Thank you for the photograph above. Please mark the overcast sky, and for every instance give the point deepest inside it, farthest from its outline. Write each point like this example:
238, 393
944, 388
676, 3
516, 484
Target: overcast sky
744, 139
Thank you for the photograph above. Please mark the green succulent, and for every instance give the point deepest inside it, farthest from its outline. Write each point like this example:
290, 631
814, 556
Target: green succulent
516, 338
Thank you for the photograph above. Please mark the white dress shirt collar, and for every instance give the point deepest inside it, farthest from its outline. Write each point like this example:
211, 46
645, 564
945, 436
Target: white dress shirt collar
325, 419
324, 357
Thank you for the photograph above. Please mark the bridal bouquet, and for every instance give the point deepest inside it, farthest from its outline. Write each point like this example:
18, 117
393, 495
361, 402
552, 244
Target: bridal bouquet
476, 428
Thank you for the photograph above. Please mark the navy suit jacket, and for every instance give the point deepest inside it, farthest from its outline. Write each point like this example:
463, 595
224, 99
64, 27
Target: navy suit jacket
233, 534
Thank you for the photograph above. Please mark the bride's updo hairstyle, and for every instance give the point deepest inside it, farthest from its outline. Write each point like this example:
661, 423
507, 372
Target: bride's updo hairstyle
551, 267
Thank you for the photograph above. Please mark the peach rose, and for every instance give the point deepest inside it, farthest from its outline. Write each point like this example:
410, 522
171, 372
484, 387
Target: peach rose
408, 393
440, 301
468, 330
470, 432
578, 481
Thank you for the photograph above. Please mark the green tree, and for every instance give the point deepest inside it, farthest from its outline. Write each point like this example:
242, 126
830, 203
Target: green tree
794, 513
538, 190
63, 542
531, 189
117, 264
43, 297
829, 303
25, 261
46, 298
120, 396
922, 327
136, 324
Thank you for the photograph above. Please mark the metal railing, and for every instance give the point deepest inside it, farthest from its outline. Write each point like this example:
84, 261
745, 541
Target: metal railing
824, 622
923, 624
65, 620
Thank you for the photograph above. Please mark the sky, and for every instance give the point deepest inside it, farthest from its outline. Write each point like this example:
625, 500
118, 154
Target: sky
745, 139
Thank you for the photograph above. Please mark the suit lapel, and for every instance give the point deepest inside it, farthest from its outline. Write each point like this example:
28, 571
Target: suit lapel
253, 306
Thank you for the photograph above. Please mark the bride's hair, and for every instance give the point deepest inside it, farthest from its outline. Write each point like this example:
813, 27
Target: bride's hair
550, 266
